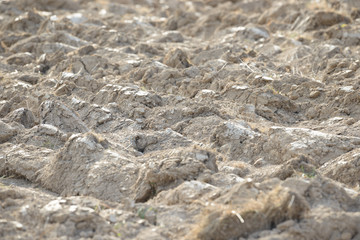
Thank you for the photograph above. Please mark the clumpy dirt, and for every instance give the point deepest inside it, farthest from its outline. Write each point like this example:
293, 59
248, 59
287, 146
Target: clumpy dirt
207, 119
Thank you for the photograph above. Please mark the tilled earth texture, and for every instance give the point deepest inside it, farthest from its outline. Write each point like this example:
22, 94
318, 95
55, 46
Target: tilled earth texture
155, 119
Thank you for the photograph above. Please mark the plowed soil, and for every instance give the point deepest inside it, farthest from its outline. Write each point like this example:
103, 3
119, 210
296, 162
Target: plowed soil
154, 119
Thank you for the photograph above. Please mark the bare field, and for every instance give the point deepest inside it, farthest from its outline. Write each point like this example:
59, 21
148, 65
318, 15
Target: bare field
154, 119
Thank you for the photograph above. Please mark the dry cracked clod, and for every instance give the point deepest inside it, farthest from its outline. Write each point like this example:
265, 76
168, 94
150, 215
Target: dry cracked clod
264, 212
177, 58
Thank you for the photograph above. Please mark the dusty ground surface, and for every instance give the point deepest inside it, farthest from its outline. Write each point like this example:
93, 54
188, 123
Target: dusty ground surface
208, 119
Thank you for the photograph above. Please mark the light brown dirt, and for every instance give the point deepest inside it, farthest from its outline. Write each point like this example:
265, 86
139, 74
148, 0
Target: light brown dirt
150, 119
